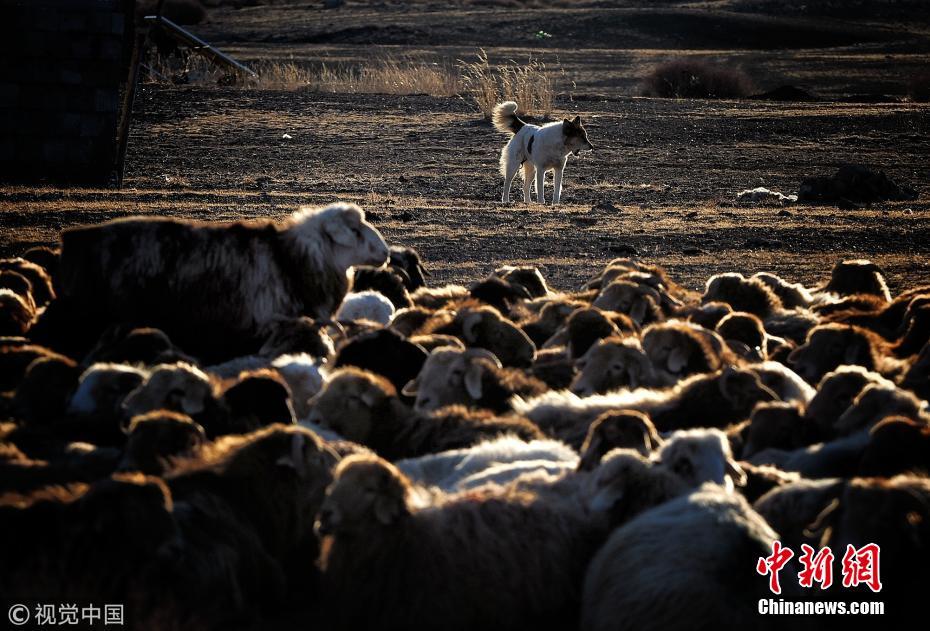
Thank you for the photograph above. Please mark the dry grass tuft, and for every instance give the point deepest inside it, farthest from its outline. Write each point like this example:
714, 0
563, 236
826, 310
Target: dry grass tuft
529, 84
696, 79
386, 76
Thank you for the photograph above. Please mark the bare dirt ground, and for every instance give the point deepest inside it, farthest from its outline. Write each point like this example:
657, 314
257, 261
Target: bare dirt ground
660, 184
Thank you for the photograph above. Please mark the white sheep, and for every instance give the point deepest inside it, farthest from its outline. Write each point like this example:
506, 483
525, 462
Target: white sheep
366, 305
103, 387
448, 469
687, 564
701, 455
304, 376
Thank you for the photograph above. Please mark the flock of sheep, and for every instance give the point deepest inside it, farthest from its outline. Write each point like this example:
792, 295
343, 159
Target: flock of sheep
220, 425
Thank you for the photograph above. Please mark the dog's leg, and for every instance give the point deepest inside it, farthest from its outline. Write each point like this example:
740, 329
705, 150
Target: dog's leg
557, 184
529, 172
508, 180
540, 186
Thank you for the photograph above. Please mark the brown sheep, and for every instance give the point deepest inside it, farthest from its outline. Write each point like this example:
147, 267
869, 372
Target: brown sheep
39, 279
897, 445
679, 349
364, 408
549, 320
526, 276
792, 295
43, 394
499, 293
744, 334
19, 285
85, 543
482, 326
622, 429
15, 359
16, 313
614, 363
760, 479
894, 514
472, 377
875, 402
917, 378
154, 439
707, 315
640, 302
411, 555
433, 298
706, 400
245, 505
584, 327
778, 425
857, 276
829, 346
125, 345
45, 257
257, 398
743, 294
214, 287
835, 393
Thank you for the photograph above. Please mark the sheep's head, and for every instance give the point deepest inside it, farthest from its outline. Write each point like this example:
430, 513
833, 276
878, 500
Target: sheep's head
102, 389
16, 314
366, 492
831, 345
528, 277
451, 376
874, 403
746, 330
585, 327
352, 403
639, 302
351, 239
627, 429
613, 363
625, 483
701, 455
778, 425
835, 393
678, 349
177, 387
484, 327
743, 389
743, 294
258, 398
156, 437
896, 444
408, 260
858, 276
297, 335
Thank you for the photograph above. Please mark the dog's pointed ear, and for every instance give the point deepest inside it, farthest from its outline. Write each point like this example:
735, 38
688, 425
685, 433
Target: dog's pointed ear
577, 121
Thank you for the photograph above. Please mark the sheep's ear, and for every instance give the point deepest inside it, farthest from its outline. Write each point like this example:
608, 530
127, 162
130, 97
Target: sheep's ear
410, 390
736, 472
337, 230
638, 312
576, 121
473, 380
677, 359
823, 523
387, 510
794, 355
470, 326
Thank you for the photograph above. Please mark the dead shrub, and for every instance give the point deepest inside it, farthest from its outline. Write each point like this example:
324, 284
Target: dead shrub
696, 79
531, 85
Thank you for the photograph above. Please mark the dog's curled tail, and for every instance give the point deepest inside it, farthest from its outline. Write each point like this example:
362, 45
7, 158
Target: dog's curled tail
505, 119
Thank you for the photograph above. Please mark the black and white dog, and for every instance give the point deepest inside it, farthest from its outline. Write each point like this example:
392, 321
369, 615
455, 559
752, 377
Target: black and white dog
537, 149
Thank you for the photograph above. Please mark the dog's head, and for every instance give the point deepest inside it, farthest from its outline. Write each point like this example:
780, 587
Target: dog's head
576, 138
